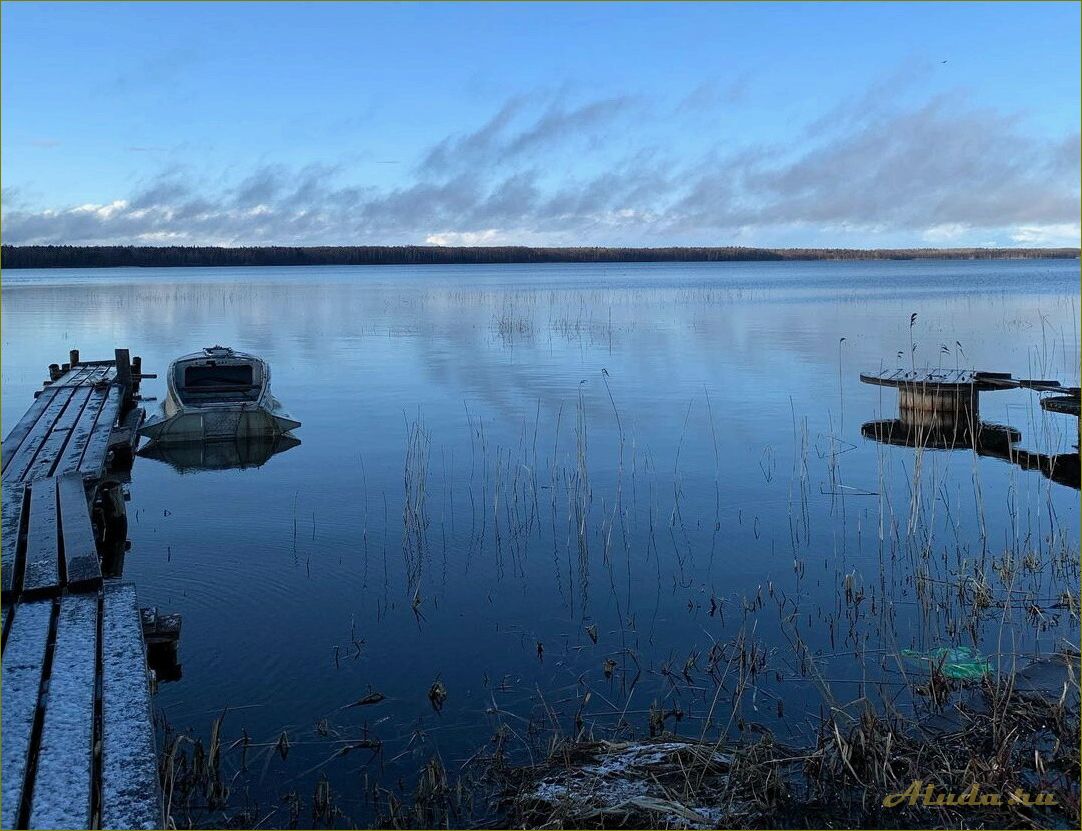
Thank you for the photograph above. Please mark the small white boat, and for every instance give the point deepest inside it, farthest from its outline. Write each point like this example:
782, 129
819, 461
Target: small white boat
215, 395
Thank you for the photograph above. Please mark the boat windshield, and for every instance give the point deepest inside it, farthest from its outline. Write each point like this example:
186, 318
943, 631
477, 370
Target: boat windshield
205, 382
211, 377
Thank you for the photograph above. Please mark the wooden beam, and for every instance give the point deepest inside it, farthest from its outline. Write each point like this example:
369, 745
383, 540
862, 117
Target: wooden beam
123, 375
130, 794
97, 445
41, 574
80, 549
12, 506
23, 665
63, 779
21, 430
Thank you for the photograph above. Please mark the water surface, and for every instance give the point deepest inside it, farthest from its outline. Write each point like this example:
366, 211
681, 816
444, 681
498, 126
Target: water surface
498, 464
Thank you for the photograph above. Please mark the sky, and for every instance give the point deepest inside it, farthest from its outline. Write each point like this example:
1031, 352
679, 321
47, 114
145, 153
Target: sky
762, 124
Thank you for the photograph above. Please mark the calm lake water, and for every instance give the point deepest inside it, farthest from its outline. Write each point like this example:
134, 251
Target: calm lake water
500, 465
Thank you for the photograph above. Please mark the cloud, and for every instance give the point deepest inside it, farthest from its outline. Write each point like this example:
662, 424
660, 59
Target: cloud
946, 233
489, 236
941, 164
712, 93
939, 171
1047, 234
503, 138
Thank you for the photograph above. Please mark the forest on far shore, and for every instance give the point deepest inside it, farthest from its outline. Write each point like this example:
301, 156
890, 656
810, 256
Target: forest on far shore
114, 256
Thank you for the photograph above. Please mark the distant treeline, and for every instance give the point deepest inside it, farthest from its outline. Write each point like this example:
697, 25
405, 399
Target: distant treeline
113, 256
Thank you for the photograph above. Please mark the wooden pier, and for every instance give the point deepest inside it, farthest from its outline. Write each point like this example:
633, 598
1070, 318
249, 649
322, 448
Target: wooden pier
78, 739
939, 409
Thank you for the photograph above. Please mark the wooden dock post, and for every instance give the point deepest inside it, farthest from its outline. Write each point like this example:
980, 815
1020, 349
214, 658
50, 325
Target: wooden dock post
123, 375
73, 356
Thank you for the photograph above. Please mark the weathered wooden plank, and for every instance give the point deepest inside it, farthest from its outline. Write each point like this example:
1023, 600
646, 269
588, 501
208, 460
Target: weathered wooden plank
24, 660
73, 377
100, 374
41, 574
81, 432
80, 549
62, 781
59, 436
21, 430
11, 513
97, 446
130, 797
24, 458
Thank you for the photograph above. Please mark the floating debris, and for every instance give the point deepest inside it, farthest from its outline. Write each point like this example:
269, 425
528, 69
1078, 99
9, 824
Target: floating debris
437, 694
371, 698
957, 662
283, 745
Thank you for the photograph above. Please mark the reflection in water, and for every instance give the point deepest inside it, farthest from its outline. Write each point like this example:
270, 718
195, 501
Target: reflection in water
993, 440
987, 439
242, 452
962, 433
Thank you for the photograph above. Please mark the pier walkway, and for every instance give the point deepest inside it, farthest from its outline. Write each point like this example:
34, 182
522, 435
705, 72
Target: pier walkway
78, 739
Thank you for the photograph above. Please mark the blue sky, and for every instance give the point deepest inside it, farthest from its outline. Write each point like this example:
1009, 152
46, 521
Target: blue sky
567, 124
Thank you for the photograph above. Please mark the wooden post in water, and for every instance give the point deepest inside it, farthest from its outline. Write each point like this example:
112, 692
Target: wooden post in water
137, 370
54, 371
73, 356
123, 375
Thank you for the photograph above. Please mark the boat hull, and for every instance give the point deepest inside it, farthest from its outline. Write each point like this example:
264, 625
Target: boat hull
217, 424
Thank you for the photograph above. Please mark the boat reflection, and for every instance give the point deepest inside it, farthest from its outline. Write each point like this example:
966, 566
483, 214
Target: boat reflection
239, 453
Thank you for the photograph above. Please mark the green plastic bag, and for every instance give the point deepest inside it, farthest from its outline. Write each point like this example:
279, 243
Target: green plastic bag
959, 662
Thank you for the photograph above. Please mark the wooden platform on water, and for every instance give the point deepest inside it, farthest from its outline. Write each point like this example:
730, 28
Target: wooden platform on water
957, 379
78, 739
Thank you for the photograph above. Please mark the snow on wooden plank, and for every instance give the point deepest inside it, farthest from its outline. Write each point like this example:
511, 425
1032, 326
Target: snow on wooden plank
11, 512
80, 434
80, 549
24, 458
41, 573
97, 446
62, 782
57, 440
21, 430
24, 659
73, 377
130, 797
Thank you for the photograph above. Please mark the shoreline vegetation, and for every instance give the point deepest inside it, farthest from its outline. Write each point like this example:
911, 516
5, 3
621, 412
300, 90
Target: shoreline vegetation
120, 256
